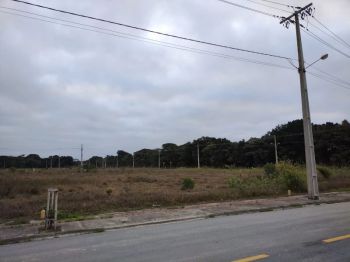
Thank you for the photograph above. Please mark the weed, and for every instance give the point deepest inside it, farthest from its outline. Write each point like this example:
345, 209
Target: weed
62, 215
270, 170
85, 193
292, 177
187, 183
325, 172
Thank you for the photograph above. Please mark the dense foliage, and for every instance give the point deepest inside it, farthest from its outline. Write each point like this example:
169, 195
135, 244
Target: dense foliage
332, 147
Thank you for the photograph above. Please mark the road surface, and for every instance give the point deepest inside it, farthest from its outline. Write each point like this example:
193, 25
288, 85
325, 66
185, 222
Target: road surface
285, 235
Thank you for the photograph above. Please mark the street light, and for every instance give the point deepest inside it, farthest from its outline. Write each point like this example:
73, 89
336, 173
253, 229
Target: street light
324, 57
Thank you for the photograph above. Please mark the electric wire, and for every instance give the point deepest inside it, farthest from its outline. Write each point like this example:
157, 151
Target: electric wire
329, 35
185, 48
244, 7
329, 30
318, 38
143, 39
276, 3
151, 31
335, 78
268, 6
328, 80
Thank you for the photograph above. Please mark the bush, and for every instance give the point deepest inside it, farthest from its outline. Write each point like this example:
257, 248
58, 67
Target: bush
255, 186
325, 172
278, 179
235, 183
187, 183
292, 177
270, 170
109, 191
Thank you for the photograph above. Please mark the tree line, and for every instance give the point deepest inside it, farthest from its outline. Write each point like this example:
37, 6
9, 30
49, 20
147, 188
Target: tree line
332, 147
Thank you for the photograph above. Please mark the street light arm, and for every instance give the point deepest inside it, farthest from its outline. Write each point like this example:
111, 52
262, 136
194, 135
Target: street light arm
313, 63
324, 57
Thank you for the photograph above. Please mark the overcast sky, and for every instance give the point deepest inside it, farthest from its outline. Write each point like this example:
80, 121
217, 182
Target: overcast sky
62, 86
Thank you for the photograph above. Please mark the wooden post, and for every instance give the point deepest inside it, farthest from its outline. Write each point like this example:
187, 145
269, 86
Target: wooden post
51, 208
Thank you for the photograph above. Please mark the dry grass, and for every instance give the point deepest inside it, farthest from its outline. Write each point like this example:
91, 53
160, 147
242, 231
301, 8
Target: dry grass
23, 192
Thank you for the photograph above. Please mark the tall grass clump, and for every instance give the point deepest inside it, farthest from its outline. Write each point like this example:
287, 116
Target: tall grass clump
270, 170
325, 172
187, 183
277, 179
292, 177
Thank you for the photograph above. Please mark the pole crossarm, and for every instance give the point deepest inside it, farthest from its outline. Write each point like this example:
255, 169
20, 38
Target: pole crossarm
307, 10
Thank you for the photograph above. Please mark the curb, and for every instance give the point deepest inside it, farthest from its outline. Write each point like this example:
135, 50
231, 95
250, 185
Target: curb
213, 215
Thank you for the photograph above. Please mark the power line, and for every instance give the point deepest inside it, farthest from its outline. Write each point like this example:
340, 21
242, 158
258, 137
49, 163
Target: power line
329, 80
335, 78
244, 7
143, 39
329, 30
329, 35
268, 6
152, 31
276, 3
158, 42
318, 38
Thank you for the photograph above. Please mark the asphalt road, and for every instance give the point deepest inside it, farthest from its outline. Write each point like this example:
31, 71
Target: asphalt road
286, 235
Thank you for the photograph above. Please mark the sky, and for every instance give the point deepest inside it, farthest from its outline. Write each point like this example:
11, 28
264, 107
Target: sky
63, 86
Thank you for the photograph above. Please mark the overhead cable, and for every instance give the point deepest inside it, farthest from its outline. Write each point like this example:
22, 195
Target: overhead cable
277, 3
329, 35
247, 8
152, 31
329, 30
329, 80
138, 38
318, 38
268, 6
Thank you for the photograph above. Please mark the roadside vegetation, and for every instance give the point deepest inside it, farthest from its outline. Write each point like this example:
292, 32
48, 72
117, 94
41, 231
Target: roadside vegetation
23, 192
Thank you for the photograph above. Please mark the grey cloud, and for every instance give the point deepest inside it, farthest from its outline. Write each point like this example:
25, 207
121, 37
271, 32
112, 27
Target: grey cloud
61, 86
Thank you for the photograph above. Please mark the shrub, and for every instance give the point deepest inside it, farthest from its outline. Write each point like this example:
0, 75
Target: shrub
109, 191
292, 177
325, 172
235, 183
278, 179
255, 186
270, 170
187, 183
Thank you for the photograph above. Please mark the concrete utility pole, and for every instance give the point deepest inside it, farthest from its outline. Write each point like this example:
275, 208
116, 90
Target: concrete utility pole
198, 162
81, 156
133, 160
312, 182
158, 158
276, 155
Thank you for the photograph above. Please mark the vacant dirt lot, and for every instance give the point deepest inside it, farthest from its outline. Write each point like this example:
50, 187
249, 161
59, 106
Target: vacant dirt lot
23, 192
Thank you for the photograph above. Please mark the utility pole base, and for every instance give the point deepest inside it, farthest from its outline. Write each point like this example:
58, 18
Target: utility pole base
314, 197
